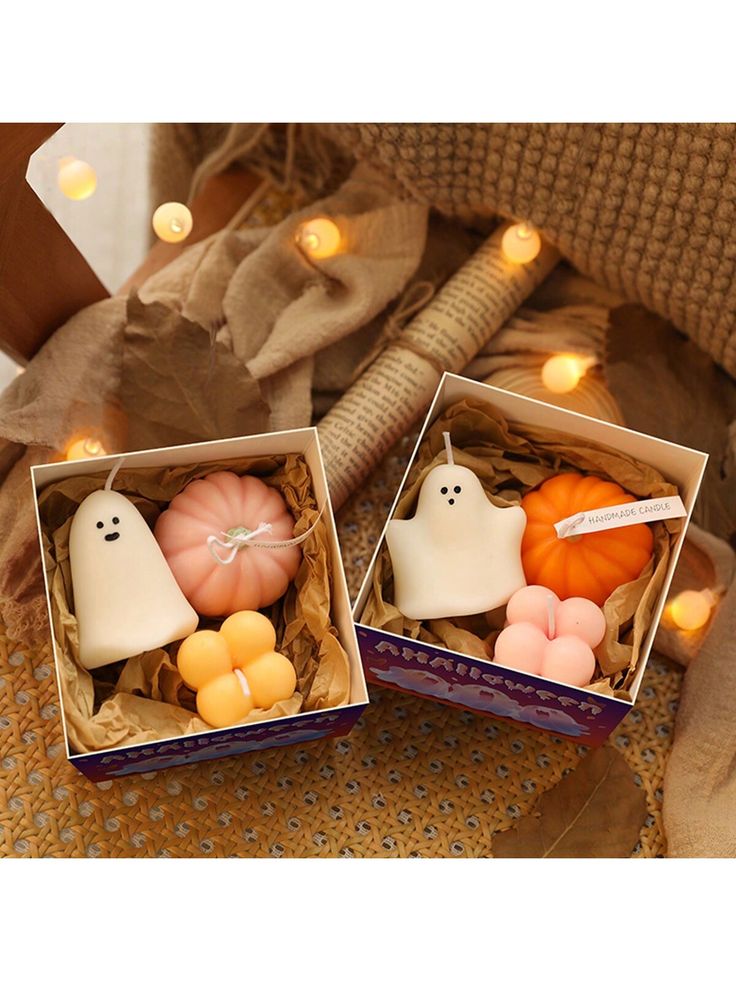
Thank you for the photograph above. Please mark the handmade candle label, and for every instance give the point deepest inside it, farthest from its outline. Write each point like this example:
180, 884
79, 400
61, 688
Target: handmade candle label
619, 515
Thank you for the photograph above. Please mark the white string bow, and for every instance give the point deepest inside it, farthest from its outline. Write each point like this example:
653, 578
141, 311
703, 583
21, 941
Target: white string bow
236, 538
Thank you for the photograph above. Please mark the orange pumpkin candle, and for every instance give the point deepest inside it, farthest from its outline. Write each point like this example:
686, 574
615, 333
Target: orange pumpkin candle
590, 565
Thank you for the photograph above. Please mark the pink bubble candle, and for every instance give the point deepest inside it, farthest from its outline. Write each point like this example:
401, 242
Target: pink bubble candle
551, 638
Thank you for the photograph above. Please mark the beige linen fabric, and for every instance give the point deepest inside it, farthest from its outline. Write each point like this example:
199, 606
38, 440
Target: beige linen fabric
700, 779
646, 209
251, 289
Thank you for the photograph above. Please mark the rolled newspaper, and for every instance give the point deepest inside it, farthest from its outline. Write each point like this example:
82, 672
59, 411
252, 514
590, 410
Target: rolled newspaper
445, 335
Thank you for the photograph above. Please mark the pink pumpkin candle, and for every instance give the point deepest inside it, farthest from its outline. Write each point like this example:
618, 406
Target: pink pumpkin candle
220, 579
549, 638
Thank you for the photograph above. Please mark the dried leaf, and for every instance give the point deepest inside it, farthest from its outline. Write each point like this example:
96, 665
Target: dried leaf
179, 385
594, 812
669, 387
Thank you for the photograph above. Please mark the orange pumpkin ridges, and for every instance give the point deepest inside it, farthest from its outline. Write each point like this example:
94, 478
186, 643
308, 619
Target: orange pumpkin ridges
591, 565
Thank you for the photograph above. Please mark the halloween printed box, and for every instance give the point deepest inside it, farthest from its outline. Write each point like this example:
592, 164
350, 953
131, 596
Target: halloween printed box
526, 561
197, 601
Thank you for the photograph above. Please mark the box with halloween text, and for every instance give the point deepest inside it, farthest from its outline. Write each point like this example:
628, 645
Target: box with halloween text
526, 561
197, 601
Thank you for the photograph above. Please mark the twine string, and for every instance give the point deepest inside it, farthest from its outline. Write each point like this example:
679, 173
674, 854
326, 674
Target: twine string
413, 299
235, 539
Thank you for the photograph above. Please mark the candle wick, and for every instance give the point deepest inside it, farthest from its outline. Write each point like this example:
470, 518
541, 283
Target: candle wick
566, 527
448, 447
113, 474
551, 625
243, 681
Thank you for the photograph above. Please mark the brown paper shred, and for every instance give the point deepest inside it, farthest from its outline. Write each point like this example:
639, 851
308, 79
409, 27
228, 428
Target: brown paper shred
454, 637
596, 811
144, 699
510, 459
604, 686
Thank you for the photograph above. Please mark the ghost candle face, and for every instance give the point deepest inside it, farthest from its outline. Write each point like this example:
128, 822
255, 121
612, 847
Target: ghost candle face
126, 599
114, 534
459, 554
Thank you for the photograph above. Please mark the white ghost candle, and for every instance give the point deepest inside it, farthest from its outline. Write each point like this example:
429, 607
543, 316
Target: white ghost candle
126, 599
459, 554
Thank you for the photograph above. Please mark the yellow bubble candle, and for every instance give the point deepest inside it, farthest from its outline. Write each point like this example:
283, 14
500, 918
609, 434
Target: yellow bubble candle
235, 669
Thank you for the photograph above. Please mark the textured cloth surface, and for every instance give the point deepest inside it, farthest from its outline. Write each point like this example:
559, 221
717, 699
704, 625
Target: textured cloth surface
246, 294
701, 773
645, 209
414, 777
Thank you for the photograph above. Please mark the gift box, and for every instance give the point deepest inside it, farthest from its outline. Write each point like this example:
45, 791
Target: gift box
127, 706
425, 658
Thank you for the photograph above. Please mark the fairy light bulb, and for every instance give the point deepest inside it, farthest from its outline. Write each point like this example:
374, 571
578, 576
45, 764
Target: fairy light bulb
319, 238
562, 372
521, 243
76, 178
85, 448
691, 609
172, 221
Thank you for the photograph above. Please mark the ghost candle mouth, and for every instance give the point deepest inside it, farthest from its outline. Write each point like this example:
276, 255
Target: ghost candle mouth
112, 536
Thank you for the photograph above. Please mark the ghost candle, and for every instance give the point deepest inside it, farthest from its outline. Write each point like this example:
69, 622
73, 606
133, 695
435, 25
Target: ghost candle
550, 638
459, 554
236, 669
126, 599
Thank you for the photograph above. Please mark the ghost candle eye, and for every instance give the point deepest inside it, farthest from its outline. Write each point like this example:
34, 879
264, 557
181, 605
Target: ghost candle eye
116, 521
100, 524
443, 490
457, 489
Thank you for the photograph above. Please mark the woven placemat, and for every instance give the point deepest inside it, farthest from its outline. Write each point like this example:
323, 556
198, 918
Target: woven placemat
413, 779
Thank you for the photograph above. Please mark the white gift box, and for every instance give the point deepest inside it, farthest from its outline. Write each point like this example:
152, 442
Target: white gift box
143, 757
473, 683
